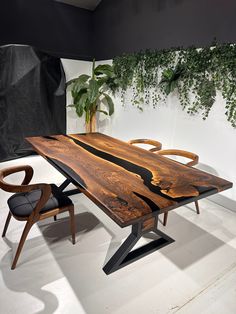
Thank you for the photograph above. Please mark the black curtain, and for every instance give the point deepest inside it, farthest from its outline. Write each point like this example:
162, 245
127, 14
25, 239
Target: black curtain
32, 98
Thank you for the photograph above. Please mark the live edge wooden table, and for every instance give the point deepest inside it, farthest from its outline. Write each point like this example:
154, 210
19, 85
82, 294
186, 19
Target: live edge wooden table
131, 185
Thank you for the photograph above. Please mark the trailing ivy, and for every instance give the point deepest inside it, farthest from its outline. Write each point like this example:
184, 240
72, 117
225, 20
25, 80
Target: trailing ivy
195, 74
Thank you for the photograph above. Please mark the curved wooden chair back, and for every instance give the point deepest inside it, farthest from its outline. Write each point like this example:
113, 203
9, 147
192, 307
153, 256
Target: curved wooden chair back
7, 171
157, 145
182, 153
24, 186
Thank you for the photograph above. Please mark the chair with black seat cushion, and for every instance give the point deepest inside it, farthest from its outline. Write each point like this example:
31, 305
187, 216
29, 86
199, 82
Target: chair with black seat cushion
182, 153
32, 203
157, 145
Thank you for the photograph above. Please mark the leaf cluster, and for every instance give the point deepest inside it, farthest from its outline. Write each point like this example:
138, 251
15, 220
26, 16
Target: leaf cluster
194, 74
90, 92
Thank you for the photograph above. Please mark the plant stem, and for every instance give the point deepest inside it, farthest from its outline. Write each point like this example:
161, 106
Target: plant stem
93, 75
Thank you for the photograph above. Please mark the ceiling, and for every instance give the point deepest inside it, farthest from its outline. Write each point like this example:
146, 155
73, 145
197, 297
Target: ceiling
84, 4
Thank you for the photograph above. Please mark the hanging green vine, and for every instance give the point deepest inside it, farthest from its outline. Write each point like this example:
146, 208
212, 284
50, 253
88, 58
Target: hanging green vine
195, 74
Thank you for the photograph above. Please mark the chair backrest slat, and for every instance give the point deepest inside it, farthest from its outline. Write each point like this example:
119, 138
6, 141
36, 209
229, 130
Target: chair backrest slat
182, 153
157, 145
8, 187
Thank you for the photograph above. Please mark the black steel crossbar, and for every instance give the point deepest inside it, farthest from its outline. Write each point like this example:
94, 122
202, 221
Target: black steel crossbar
70, 192
125, 255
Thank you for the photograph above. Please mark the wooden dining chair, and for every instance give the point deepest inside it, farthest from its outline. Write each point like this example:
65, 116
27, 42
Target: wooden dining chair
193, 161
33, 202
157, 145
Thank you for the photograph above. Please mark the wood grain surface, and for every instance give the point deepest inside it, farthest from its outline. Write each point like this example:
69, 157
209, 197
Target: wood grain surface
127, 182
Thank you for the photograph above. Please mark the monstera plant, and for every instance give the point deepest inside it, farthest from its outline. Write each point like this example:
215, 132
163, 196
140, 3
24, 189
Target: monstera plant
89, 94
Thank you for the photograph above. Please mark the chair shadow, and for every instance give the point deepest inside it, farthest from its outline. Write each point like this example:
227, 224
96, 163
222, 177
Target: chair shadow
206, 168
84, 223
32, 265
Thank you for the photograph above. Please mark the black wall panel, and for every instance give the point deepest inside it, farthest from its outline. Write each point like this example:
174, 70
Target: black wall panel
116, 26
132, 25
60, 29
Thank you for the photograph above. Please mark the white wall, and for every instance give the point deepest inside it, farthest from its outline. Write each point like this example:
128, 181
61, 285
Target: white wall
72, 69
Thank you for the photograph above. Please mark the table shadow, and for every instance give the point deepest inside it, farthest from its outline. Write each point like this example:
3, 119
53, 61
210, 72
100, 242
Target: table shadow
192, 244
82, 263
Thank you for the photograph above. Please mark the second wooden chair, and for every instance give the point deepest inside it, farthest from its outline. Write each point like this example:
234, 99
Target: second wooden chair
182, 153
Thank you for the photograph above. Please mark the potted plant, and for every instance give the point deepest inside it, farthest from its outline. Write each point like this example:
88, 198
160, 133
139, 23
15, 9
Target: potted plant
89, 93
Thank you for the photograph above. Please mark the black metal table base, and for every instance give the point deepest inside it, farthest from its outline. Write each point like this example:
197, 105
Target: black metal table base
70, 192
125, 255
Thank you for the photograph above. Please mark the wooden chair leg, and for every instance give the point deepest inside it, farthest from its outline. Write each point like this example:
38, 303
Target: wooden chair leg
55, 218
197, 207
72, 224
165, 219
6, 224
26, 230
166, 214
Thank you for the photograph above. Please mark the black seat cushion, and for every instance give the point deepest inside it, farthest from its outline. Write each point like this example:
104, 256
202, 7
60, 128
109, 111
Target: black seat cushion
22, 204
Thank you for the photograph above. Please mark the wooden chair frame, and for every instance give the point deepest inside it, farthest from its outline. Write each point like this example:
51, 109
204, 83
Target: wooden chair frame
35, 215
182, 153
157, 145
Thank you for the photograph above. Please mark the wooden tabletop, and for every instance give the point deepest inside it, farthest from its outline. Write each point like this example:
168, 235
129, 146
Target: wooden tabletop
127, 182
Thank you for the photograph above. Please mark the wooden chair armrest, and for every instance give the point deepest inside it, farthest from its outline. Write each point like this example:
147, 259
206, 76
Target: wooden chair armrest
157, 144
182, 153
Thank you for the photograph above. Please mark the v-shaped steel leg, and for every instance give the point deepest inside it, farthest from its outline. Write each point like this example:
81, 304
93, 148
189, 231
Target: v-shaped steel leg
70, 192
124, 255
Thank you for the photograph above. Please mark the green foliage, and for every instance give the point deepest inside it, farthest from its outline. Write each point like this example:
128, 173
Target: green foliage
170, 78
88, 92
195, 75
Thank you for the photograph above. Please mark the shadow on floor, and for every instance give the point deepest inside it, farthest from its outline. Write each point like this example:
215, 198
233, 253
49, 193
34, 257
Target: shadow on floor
60, 230
82, 263
192, 244
34, 269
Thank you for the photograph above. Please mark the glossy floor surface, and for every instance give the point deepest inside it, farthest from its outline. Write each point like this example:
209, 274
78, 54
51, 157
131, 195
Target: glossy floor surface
195, 274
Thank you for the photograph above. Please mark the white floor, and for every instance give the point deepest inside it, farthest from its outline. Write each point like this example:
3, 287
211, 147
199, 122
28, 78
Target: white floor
195, 274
